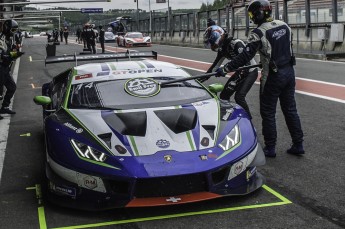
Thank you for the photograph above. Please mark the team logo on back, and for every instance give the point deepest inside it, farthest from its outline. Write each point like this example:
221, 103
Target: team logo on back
278, 34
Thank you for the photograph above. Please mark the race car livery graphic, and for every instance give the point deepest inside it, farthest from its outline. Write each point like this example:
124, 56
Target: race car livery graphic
116, 136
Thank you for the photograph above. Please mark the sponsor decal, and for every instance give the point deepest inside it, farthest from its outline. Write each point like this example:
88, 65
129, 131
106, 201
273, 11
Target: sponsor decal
227, 114
90, 182
64, 190
77, 130
168, 158
238, 167
205, 141
80, 77
278, 34
203, 157
251, 172
142, 87
212, 155
173, 199
136, 71
163, 143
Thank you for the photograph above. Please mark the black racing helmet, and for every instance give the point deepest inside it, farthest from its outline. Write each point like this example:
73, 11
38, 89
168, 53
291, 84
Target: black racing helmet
9, 27
259, 11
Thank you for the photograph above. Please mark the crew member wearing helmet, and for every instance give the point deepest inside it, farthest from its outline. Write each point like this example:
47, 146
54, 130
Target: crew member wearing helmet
272, 39
226, 47
90, 36
9, 28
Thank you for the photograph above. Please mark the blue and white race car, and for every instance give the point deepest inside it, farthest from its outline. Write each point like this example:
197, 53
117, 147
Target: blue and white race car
124, 134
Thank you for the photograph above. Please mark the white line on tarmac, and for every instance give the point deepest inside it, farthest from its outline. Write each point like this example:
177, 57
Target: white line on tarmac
5, 123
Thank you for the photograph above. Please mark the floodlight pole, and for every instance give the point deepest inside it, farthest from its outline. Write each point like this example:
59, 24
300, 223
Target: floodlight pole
137, 15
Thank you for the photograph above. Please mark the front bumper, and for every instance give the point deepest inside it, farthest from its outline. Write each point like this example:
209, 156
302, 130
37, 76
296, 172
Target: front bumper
85, 191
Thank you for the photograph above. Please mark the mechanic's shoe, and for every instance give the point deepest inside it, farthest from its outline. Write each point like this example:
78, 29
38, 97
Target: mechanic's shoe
1, 97
6, 110
270, 151
296, 149
1, 117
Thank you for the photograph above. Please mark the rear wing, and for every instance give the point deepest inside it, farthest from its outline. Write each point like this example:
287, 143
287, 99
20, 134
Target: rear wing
111, 56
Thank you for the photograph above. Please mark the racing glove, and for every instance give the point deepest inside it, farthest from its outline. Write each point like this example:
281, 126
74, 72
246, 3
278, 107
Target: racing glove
221, 72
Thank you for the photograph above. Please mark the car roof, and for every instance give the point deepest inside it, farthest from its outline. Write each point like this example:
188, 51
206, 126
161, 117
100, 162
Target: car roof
126, 70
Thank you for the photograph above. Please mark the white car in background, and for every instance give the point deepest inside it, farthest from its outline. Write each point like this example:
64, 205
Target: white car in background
133, 39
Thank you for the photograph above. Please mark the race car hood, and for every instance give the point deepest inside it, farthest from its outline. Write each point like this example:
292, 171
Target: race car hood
146, 132
138, 40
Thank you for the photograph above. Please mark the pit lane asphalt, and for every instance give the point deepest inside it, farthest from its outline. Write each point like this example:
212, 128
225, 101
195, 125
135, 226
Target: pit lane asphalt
314, 183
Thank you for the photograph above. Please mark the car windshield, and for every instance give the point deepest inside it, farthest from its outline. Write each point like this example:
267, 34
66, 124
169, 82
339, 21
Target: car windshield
134, 35
113, 95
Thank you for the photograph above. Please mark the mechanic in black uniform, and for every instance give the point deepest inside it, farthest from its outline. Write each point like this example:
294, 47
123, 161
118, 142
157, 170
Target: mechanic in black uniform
90, 37
83, 36
240, 82
101, 37
6, 57
273, 40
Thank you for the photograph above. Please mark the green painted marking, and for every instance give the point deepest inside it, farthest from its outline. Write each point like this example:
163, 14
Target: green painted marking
30, 188
131, 138
276, 194
74, 72
284, 202
43, 224
42, 218
190, 140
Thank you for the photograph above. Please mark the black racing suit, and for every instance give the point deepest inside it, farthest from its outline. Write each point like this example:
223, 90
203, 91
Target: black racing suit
6, 58
241, 81
101, 38
90, 37
273, 41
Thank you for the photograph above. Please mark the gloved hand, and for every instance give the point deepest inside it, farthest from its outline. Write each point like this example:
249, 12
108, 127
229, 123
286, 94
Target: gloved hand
221, 72
16, 54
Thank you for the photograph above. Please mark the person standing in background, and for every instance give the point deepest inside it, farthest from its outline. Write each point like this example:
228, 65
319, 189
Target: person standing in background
65, 34
101, 37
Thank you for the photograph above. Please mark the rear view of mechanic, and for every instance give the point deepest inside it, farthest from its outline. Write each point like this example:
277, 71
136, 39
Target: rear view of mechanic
273, 40
9, 28
226, 47
90, 37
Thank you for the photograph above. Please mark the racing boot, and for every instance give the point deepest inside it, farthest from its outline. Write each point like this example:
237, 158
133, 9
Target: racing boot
270, 151
296, 149
6, 110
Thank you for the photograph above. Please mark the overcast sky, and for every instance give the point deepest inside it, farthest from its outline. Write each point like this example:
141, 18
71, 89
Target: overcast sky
130, 4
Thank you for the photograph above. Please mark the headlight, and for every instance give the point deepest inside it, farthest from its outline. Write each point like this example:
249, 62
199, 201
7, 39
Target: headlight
148, 40
88, 152
232, 139
129, 41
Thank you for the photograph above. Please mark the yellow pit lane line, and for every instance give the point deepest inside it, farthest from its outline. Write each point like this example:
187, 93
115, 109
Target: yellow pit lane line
43, 223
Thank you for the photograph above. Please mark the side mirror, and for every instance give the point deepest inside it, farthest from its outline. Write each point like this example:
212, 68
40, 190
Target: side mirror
42, 100
216, 87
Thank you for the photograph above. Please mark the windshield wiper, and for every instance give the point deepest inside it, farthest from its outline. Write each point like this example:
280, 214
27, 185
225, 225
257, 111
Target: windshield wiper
181, 84
92, 107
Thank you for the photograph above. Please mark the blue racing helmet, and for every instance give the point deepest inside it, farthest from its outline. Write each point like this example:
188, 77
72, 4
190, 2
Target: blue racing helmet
213, 37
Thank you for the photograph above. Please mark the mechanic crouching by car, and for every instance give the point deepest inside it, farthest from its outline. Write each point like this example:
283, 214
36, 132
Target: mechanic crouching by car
240, 82
6, 57
273, 40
